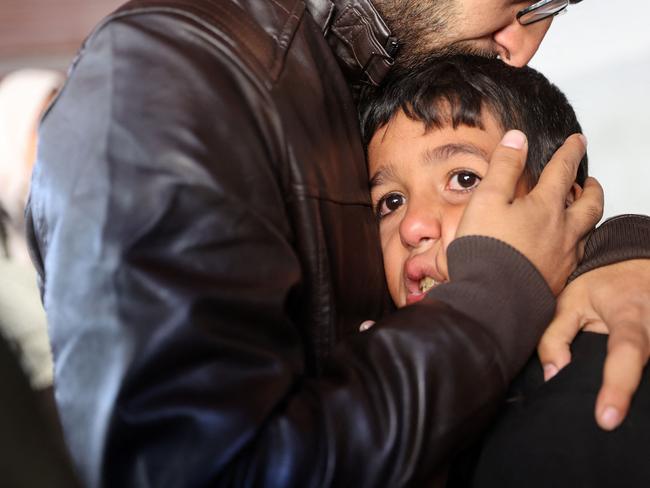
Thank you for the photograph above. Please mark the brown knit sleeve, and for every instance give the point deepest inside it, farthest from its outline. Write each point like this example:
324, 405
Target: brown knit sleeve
619, 238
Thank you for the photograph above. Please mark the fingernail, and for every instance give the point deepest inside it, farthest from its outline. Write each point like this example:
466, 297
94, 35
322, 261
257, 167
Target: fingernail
366, 324
610, 418
550, 370
584, 140
514, 139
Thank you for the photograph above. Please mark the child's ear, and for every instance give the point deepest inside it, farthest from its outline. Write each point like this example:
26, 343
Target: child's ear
574, 193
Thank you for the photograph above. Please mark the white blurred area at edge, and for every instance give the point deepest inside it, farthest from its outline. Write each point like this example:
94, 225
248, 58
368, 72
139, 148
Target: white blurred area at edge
598, 54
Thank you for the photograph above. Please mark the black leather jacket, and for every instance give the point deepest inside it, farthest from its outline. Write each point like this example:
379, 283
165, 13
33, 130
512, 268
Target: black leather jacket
201, 220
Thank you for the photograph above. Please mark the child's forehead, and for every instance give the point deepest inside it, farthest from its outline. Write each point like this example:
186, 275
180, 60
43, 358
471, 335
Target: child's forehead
403, 133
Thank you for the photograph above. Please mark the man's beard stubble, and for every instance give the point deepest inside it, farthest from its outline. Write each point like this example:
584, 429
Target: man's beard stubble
425, 29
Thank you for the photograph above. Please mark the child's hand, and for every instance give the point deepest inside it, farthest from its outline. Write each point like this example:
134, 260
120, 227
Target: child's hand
539, 225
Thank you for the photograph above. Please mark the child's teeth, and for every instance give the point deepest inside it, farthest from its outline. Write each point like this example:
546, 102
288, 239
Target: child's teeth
427, 283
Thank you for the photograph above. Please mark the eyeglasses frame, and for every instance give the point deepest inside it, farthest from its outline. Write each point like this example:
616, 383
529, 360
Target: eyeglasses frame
538, 5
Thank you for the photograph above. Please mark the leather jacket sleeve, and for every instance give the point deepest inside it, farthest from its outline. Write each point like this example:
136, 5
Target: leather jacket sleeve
167, 263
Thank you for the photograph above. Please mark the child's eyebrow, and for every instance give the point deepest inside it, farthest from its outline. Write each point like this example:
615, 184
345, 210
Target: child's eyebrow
447, 151
435, 155
385, 173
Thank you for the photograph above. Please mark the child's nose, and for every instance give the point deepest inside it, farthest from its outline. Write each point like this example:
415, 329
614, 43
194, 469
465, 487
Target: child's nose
420, 224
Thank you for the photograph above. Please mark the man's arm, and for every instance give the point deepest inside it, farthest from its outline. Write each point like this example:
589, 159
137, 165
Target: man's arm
168, 265
609, 291
618, 239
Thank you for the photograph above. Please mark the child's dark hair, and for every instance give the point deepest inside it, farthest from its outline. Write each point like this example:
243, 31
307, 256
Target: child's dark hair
453, 90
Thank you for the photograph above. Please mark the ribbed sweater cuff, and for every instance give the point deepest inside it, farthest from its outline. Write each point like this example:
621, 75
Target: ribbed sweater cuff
617, 239
501, 289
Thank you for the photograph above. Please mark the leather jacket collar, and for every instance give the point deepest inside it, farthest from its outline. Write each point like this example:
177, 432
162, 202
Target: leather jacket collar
358, 36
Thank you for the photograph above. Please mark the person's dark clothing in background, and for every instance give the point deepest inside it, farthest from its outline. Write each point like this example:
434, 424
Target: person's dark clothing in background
31, 453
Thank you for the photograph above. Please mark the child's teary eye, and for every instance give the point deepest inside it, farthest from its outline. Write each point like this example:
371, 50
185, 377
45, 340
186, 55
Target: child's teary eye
464, 180
388, 204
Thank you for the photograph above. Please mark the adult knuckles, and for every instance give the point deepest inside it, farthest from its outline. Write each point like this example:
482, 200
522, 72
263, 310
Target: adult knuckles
552, 195
541, 205
584, 220
569, 166
626, 293
593, 211
630, 337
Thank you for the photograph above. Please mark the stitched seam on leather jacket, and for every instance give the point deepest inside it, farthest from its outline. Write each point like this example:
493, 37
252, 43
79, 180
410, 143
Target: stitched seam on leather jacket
228, 26
354, 30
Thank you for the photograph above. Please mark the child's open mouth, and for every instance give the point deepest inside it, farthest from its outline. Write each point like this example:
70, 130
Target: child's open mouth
423, 286
427, 283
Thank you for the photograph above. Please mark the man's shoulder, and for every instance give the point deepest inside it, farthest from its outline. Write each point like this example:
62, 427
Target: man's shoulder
259, 32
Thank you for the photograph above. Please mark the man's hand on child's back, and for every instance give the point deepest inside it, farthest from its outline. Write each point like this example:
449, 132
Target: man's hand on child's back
614, 299
539, 225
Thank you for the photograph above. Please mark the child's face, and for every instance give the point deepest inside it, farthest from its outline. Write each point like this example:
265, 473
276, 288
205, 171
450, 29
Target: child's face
420, 184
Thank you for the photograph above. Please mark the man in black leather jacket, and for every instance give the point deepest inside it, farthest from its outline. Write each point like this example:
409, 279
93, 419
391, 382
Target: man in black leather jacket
201, 223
